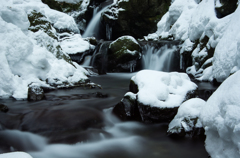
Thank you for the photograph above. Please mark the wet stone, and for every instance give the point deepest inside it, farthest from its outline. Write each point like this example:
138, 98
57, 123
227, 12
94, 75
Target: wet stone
3, 108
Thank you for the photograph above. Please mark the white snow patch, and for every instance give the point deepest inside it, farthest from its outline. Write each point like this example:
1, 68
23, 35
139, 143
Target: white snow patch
75, 44
15, 155
221, 120
161, 89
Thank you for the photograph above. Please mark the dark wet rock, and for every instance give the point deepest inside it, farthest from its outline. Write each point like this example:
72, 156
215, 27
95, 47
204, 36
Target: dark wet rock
188, 128
127, 110
92, 71
131, 17
227, 7
35, 93
155, 115
3, 108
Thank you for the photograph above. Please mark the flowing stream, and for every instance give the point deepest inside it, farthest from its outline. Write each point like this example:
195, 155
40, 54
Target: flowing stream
69, 124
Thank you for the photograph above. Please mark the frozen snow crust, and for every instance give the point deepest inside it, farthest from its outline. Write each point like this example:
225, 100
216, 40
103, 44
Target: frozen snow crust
215, 41
26, 57
221, 120
161, 89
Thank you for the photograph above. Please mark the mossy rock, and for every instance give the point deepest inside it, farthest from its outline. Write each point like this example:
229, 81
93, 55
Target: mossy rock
124, 53
62, 6
38, 21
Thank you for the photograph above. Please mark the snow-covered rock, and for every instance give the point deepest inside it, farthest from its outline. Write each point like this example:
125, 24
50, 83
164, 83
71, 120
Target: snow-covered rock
220, 118
161, 89
157, 95
27, 57
213, 37
187, 119
15, 155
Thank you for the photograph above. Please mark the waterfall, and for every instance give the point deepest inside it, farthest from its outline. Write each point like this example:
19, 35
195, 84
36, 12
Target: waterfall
94, 25
87, 60
162, 59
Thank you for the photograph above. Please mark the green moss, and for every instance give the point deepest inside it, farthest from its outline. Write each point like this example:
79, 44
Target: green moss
38, 21
62, 6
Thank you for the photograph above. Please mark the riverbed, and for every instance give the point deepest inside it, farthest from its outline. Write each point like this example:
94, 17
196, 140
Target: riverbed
78, 123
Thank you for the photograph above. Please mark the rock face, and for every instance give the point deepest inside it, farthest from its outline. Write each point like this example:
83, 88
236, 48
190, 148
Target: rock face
131, 17
153, 98
35, 93
226, 7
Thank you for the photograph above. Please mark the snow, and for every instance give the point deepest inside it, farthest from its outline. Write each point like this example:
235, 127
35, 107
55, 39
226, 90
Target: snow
124, 38
187, 111
161, 89
75, 44
191, 20
227, 52
15, 154
27, 57
220, 118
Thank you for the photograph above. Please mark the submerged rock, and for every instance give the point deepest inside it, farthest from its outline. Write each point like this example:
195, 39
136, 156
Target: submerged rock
157, 96
3, 108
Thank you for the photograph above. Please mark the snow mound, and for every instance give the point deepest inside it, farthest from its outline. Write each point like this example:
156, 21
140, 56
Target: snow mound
187, 118
27, 57
15, 154
221, 120
161, 89
217, 38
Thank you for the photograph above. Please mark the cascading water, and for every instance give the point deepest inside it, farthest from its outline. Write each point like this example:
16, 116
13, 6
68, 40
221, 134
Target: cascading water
162, 59
94, 25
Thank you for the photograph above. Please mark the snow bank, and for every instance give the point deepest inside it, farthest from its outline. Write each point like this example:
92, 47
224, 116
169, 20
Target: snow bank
27, 57
187, 117
161, 89
15, 154
197, 21
221, 120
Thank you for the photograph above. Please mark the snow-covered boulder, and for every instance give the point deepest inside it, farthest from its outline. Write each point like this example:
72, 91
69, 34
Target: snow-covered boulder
15, 154
221, 120
159, 94
33, 57
124, 54
187, 119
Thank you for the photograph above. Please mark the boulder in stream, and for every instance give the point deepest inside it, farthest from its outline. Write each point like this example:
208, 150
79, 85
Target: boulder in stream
155, 96
3, 108
124, 54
